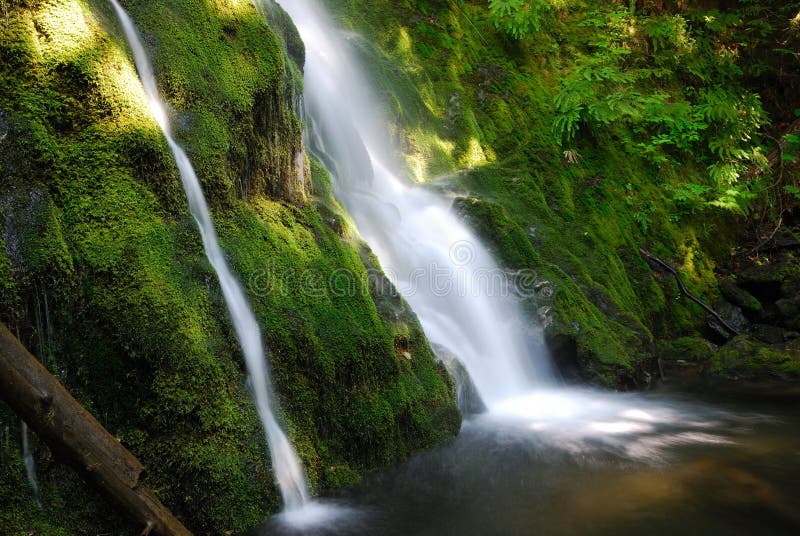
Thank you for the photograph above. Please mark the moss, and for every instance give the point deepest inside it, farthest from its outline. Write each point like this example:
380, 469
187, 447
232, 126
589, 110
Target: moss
104, 276
474, 112
686, 348
745, 357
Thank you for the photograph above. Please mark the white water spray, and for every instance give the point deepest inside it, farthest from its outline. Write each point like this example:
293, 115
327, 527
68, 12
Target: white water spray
289, 472
442, 270
30, 463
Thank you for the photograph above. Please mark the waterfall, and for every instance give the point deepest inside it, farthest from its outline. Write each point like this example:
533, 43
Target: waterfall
289, 473
448, 277
30, 464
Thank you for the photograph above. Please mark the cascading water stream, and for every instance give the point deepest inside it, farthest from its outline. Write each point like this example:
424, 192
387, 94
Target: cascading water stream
30, 464
449, 278
455, 288
289, 472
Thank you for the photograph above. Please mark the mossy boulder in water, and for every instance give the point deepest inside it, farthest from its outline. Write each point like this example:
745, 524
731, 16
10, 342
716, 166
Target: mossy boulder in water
747, 358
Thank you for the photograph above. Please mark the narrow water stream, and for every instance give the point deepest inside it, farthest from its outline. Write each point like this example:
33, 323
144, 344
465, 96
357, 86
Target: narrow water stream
289, 473
655, 463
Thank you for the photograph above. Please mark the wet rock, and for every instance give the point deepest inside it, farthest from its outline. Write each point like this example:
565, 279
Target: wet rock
740, 297
734, 317
745, 357
469, 400
544, 315
768, 333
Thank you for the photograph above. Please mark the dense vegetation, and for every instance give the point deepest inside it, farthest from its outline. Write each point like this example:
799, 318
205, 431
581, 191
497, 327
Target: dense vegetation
582, 131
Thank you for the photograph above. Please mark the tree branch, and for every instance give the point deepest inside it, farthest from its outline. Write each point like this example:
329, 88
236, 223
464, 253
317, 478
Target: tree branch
647, 255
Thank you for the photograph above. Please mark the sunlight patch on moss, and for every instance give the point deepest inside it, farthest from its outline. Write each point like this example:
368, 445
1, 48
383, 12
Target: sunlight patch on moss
63, 30
473, 156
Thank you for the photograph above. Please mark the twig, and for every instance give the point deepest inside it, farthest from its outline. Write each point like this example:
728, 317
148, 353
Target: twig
686, 292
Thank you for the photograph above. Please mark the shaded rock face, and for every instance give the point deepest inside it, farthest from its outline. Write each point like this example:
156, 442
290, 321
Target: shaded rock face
276, 163
762, 302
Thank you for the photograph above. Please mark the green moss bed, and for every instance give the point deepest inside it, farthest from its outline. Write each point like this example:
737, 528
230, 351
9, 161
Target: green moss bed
103, 276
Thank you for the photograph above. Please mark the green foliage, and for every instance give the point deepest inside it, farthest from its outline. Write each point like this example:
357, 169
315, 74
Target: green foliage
569, 210
519, 18
624, 82
522, 18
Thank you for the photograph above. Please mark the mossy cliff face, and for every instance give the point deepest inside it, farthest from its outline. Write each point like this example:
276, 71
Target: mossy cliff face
473, 110
103, 276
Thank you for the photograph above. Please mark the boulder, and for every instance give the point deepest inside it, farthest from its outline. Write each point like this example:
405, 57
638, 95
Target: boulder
789, 310
741, 298
768, 333
745, 357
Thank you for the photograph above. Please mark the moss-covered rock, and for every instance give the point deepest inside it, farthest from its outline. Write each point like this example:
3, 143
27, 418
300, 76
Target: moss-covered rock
686, 348
746, 358
103, 275
588, 344
740, 297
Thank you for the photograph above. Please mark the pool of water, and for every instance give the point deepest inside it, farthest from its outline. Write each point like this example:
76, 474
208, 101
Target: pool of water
586, 462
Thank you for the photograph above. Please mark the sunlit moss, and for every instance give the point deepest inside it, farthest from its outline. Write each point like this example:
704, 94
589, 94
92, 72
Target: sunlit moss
63, 30
136, 321
473, 156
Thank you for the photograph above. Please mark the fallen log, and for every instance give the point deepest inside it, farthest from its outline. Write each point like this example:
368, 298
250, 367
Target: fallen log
77, 437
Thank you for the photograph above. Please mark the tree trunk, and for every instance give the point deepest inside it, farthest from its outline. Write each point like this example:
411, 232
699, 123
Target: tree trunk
76, 437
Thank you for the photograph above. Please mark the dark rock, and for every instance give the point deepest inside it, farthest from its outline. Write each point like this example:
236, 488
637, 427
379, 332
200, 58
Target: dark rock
740, 297
733, 316
768, 333
790, 288
786, 239
762, 274
764, 281
789, 310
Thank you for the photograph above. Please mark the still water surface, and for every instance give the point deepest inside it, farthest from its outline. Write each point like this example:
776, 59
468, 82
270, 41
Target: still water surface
582, 462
